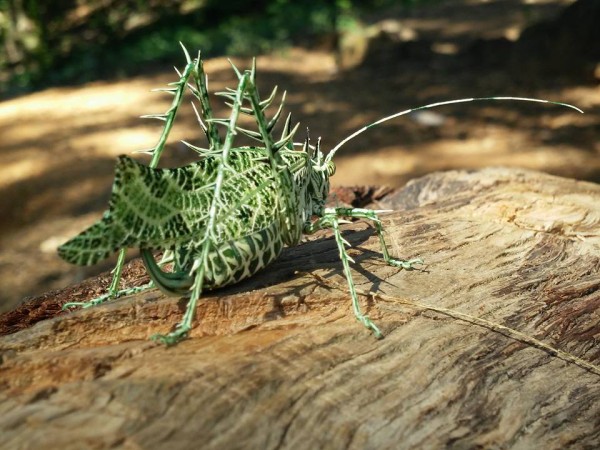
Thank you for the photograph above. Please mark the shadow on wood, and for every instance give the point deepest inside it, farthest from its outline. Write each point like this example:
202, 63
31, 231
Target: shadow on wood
279, 361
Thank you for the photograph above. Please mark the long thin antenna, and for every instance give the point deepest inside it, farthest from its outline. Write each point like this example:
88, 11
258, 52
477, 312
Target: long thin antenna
330, 155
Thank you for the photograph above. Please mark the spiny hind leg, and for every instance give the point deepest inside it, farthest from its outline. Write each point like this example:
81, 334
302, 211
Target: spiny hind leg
372, 215
330, 220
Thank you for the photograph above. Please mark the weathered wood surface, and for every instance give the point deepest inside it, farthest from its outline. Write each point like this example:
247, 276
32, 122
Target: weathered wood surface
279, 362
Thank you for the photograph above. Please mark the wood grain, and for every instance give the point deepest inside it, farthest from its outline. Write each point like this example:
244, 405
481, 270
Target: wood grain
279, 361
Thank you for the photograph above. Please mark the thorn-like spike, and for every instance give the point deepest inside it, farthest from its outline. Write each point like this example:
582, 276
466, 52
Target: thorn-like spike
195, 92
162, 117
224, 122
318, 152
227, 95
286, 139
178, 72
293, 131
309, 148
187, 55
286, 126
305, 146
167, 257
235, 69
146, 151
198, 150
243, 110
198, 61
253, 71
266, 102
197, 264
171, 91
275, 118
250, 133
199, 118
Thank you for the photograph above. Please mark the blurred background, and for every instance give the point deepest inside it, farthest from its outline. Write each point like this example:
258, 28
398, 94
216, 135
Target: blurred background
75, 75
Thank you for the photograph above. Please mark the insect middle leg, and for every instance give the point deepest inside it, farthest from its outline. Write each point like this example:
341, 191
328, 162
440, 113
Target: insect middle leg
183, 328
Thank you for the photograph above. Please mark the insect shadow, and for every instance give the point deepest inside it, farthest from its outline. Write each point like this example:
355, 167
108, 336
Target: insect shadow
321, 254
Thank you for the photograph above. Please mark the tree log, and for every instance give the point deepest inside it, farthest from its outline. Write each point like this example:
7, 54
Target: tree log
492, 344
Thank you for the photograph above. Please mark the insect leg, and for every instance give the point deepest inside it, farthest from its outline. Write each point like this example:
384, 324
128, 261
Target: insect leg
183, 328
171, 283
331, 220
113, 291
177, 89
360, 213
177, 281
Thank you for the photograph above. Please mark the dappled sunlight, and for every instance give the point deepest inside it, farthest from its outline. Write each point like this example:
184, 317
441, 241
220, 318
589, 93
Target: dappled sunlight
22, 170
487, 147
58, 146
117, 142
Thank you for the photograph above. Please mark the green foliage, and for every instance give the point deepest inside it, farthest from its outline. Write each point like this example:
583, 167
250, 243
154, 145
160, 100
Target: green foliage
69, 41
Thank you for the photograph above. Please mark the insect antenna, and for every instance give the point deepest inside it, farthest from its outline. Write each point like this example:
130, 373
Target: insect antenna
331, 154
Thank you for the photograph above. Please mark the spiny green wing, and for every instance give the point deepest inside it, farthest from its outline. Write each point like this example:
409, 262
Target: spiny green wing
166, 208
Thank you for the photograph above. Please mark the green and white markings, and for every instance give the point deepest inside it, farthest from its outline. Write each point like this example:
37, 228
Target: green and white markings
227, 216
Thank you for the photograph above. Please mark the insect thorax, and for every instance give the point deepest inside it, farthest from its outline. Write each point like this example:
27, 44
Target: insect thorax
308, 191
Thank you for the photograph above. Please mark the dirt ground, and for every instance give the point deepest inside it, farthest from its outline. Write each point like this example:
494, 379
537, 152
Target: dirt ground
58, 146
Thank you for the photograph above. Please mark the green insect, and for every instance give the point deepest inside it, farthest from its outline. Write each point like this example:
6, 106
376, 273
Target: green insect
225, 217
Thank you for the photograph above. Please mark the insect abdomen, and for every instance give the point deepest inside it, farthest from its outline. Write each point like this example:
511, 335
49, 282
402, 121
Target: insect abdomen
242, 258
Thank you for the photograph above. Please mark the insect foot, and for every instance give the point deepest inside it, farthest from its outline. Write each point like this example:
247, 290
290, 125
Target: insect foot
231, 213
408, 264
172, 338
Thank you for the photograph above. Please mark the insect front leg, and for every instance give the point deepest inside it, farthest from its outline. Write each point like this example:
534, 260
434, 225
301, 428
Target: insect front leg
331, 220
369, 214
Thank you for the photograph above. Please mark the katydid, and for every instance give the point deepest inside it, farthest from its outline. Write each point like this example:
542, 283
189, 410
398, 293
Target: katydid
230, 214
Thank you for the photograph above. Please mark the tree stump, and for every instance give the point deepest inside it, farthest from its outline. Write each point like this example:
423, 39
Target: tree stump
509, 359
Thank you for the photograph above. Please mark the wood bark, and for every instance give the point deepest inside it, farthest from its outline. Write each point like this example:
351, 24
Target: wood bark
279, 361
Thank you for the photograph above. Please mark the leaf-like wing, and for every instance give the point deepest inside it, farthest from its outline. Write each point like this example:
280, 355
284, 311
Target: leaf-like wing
168, 208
